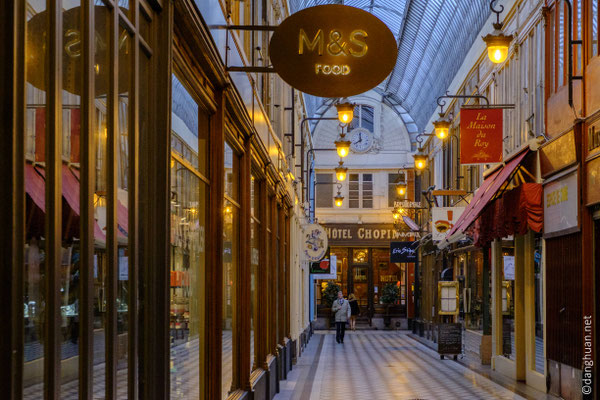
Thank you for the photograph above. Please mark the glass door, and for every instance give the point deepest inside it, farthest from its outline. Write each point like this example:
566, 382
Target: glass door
360, 281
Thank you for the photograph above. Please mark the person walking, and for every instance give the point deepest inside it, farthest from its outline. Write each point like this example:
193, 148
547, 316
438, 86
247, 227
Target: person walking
341, 308
354, 310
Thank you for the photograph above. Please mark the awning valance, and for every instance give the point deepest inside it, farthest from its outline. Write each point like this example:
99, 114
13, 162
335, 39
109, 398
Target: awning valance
517, 211
486, 193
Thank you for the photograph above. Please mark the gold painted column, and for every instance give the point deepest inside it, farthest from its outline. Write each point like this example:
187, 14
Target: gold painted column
496, 308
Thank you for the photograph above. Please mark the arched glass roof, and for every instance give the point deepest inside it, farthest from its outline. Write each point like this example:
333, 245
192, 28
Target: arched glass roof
433, 37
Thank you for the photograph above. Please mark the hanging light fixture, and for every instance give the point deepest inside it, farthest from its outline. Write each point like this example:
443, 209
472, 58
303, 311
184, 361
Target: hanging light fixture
497, 42
420, 160
396, 213
345, 112
401, 189
340, 172
339, 199
441, 128
342, 146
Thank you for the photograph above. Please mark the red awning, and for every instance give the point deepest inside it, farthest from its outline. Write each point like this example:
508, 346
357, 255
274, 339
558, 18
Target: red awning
70, 189
35, 186
486, 193
517, 211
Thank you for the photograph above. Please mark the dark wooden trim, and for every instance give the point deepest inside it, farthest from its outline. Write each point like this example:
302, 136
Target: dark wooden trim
154, 205
214, 270
87, 188
111, 345
133, 212
53, 229
12, 176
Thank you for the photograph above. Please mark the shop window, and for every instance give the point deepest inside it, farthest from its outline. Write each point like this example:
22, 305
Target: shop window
360, 191
189, 194
394, 179
255, 190
230, 262
360, 256
324, 190
363, 118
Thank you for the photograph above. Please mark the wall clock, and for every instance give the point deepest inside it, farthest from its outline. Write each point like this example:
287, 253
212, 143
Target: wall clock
361, 140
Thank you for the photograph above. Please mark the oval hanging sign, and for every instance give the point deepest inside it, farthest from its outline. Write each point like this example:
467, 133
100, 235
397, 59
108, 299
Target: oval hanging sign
315, 242
333, 51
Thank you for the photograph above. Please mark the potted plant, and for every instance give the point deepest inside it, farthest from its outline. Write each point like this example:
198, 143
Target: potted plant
328, 296
389, 295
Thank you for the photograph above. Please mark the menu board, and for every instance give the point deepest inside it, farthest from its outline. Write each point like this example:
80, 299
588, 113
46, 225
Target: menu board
449, 338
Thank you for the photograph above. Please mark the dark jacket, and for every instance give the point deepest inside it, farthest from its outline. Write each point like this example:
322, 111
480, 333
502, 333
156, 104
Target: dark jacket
354, 309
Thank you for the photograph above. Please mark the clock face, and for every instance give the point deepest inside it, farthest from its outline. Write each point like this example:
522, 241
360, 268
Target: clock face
361, 140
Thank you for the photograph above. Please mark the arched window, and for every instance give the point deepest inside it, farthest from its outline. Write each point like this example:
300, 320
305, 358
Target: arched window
363, 118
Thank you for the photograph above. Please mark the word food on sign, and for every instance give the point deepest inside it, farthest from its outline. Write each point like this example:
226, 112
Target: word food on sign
333, 50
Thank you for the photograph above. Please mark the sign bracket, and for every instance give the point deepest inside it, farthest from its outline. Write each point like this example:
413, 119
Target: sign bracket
253, 28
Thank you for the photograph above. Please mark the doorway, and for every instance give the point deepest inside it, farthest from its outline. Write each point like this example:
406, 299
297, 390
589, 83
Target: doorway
360, 282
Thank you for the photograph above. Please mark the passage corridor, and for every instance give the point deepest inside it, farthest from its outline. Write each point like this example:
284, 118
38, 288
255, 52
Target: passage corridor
382, 365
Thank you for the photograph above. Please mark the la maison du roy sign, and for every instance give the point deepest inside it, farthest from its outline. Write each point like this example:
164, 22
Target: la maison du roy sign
333, 50
480, 135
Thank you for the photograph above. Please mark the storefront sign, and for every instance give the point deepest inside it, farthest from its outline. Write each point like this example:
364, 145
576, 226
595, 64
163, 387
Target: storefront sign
72, 42
593, 181
329, 271
403, 252
561, 205
480, 135
407, 204
315, 242
558, 154
443, 219
365, 234
333, 50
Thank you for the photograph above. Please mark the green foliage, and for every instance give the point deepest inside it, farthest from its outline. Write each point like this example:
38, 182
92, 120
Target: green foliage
390, 293
329, 294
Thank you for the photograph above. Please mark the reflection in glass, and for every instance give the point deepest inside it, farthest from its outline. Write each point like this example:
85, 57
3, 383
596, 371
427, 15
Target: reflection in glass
230, 262
122, 210
188, 227
188, 234
254, 262
102, 69
70, 273
34, 273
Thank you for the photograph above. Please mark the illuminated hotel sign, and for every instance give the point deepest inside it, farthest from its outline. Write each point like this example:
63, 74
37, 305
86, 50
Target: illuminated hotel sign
333, 51
365, 234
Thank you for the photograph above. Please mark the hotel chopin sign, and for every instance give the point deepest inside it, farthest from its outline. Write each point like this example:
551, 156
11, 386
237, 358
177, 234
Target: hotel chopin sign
365, 234
333, 50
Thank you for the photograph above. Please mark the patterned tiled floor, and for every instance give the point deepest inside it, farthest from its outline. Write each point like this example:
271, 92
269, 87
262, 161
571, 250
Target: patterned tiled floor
387, 365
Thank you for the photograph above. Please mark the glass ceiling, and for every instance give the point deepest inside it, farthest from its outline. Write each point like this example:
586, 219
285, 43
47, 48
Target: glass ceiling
434, 37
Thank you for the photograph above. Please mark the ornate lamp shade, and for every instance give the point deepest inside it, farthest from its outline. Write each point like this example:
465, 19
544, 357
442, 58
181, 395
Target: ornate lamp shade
342, 147
441, 127
420, 161
341, 172
401, 188
497, 45
339, 200
345, 112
